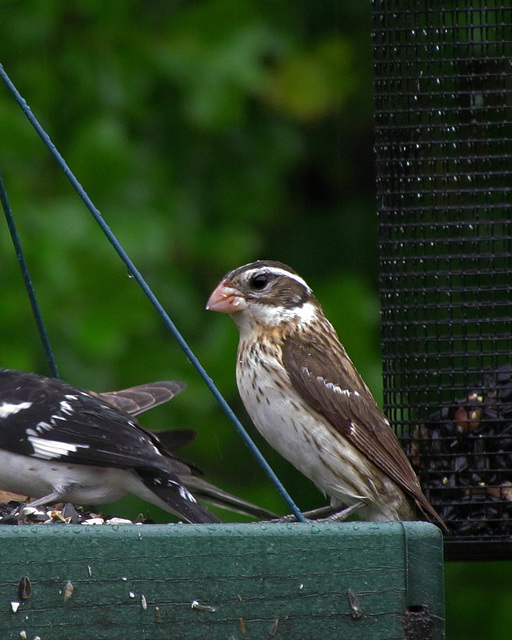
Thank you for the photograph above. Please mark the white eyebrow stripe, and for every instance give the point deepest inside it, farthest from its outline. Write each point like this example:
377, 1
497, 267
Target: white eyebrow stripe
280, 272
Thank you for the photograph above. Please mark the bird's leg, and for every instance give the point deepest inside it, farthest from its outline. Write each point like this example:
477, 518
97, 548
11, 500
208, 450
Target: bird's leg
321, 512
55, 496
342, 514
330, 513
289, 517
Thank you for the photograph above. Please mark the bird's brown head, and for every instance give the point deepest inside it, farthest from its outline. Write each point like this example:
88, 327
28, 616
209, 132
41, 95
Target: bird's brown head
264, 292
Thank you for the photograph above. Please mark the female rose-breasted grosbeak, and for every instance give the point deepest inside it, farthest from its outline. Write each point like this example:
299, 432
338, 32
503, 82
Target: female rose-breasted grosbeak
306, 398
63, 444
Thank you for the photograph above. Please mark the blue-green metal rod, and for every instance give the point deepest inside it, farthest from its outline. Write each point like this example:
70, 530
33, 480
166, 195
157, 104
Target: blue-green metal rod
28, 281
150, 295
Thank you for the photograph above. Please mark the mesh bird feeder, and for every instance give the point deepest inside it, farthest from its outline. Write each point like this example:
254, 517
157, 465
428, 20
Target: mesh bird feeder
443, 91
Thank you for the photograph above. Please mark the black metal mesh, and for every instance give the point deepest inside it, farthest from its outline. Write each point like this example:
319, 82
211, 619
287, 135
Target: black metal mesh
443, 93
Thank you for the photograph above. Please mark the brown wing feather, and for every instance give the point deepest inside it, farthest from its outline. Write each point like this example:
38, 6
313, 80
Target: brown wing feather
137, 400
311, 368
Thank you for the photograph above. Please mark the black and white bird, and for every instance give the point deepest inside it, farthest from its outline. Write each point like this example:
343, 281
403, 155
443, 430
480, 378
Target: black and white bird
59, 443
306, 398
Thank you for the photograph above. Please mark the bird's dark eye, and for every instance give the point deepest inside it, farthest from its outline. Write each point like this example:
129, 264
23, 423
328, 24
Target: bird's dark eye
259, 281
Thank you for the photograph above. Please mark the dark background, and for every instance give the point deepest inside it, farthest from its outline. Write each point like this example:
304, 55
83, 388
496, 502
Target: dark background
209, 134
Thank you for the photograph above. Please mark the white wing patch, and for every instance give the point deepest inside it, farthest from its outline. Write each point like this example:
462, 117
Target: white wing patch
336, 388
7, 409
51, 449
65, 407
44, 426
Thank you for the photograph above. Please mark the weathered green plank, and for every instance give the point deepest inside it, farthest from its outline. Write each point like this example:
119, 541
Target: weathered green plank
288, 581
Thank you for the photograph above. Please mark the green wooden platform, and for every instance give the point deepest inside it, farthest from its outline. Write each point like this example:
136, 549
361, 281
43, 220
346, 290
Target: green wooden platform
229, 582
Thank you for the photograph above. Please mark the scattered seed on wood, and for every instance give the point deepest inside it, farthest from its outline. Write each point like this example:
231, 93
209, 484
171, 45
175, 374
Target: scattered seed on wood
273, 629
355, 606
25, 588
202, 607
68, 591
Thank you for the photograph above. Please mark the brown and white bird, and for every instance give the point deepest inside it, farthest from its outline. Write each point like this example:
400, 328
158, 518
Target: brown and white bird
307, 399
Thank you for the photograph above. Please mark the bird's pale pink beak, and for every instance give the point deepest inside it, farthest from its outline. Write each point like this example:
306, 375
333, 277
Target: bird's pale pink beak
226, 299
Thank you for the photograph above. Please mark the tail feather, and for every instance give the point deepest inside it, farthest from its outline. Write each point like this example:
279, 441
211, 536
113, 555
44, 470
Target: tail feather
175, 497
173, 439
220, 498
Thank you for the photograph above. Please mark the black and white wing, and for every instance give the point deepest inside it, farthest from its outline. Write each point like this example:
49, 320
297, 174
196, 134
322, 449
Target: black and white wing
49, 420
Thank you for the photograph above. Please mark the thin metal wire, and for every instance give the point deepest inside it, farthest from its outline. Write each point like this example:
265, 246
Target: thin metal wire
150, 295
28, 281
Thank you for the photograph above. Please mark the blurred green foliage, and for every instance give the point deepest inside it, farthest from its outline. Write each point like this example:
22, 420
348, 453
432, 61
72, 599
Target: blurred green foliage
209, 133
